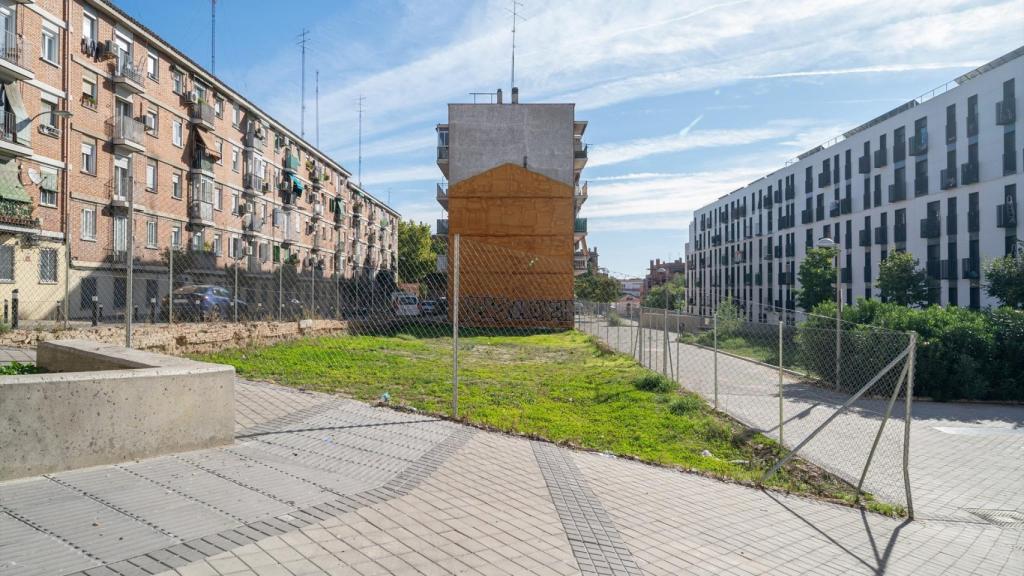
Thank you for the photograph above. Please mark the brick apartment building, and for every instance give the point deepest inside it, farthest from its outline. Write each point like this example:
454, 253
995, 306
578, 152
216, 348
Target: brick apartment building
207, 172
513, 185
656, 278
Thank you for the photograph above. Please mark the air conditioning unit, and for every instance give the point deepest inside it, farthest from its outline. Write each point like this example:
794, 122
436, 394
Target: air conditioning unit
49, 130
193, 97
109, 51
148, 122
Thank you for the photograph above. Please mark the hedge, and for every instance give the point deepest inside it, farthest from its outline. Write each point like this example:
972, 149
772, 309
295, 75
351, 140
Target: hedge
962, 354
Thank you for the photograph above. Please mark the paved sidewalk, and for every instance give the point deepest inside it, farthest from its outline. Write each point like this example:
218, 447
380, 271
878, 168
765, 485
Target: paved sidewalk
321, 485
20, 355
967, 460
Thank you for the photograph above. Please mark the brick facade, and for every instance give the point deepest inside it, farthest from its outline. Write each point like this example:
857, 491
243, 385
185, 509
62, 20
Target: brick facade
247, 174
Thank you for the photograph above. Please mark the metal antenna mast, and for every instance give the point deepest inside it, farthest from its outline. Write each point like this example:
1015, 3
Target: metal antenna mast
213, 36
303, 38
515, 17
317, 109
360, 172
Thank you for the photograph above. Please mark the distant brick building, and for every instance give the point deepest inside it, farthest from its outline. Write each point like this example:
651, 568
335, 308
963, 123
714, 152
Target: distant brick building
656, 278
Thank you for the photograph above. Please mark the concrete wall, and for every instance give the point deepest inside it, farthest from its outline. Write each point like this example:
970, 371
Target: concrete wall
482, 136
129, 404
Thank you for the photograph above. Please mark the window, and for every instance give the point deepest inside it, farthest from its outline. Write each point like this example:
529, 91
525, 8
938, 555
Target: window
232, 251
48, 187
46, 116
234, 202
6, 263
120, 234
176, 185
87, 293
89, 156
89, 26
151, 235
153, 121
153, 66
88, 231
220, 151
176, 132
47, 266
216, 244
151, 174
177, 81
234, 158
218, 106
48, 48
236, 115
176, 236
218, 197
89, 83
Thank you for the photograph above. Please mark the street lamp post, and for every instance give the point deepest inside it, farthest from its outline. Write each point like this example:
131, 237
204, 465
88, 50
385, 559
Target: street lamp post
664, 326
829, 243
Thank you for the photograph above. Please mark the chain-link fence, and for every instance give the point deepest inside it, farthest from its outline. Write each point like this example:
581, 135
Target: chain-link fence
832, 392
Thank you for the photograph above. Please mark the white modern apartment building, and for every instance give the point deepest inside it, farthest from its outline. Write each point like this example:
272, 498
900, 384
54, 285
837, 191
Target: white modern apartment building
939, 177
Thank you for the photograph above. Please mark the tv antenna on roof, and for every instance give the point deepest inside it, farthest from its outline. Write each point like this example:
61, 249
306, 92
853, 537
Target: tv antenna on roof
515, 18
303, 39
213, 36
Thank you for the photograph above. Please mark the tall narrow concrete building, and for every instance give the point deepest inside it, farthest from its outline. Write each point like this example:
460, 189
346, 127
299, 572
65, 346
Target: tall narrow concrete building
513, 184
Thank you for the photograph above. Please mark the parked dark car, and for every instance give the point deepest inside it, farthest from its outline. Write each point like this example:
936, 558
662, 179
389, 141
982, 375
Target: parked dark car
428, 307
203, 302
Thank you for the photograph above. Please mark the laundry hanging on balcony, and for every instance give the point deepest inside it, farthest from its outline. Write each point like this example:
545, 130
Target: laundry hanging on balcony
297, 186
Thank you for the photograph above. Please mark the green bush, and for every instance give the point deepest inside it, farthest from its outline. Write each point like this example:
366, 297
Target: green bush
614, 320
962, 354
686, 404
654, 383
15, 368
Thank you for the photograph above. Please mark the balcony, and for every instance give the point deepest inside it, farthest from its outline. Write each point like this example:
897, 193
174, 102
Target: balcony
122, 190
17, 214
580, 195
973, 219
951, 224
252, 224
128, 134
1006, 111
864, 164
11, 145
442, 194
579, 263
339, 214
254, 138
790, 191
289, 232
253, 183
846, 206
898, 191
930, 227
970, 268
881, 236
833, 209
881, 157
200, 213
127, 74
1006, 216
969, 173
202, 115
947, 270
290, 162
1009, 164
899, 232
579, 155
920, 186
716, 240
15, 58
806, 217
864, 237
201, 164
580, 228
824, 178
442, 226
947, 178
918, 143
442, 158
790, 250
317, 212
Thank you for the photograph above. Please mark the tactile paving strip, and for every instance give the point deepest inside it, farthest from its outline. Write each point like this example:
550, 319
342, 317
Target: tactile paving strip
592, 535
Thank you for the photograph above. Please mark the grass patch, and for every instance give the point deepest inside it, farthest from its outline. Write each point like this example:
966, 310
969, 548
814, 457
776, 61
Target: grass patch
560, 386
16, 368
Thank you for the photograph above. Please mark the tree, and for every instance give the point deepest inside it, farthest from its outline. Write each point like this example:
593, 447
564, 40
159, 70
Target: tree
1004, 278
676, 287
417, 252
817, 278
597, 287
901, 281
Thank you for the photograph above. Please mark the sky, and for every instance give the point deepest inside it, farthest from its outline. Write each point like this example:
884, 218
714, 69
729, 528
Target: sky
686, 100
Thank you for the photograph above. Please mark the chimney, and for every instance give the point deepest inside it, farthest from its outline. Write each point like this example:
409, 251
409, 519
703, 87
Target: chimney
499, 95
515, 95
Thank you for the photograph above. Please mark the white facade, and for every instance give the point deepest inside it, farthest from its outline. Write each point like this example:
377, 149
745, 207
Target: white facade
939, 177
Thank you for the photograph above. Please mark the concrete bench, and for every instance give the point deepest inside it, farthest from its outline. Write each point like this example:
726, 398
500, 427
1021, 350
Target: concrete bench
104, 404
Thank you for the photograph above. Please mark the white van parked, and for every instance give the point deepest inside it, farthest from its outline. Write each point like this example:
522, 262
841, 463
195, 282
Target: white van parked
405, 305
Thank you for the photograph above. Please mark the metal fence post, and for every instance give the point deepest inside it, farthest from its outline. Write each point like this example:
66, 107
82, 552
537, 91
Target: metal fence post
781, 416
170, 283
714, 328
455, 330
664, 344
907, 420
67, 282
15, 296
678, 376
640, 336
234, 293
129, 266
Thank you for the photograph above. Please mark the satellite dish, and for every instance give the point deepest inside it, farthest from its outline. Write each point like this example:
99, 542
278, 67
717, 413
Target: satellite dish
34, 176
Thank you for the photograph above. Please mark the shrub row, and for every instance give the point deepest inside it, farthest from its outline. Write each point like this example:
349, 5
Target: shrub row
962, 354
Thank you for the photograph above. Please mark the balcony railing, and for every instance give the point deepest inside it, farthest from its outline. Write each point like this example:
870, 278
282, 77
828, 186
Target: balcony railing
824, 178
864, 164
128, 130
14, 213
13, 49
881, 157
252, 223
881, 236
970, 268
1009, 164
442, 226
581, 151
200, 161
918, 143
969, 173
973, 219
950, 132
806, 217
790, 250
9, 127
202, 113
833, 209
790, 191
930, 228
846, 206
947, 178
1006, 216
442, 153
864, 237
947, 269
1006, 111
921, 186
121, 188
899, 232
253, 181
898, 191
128, 72
200, 212
290, 162
580, 226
